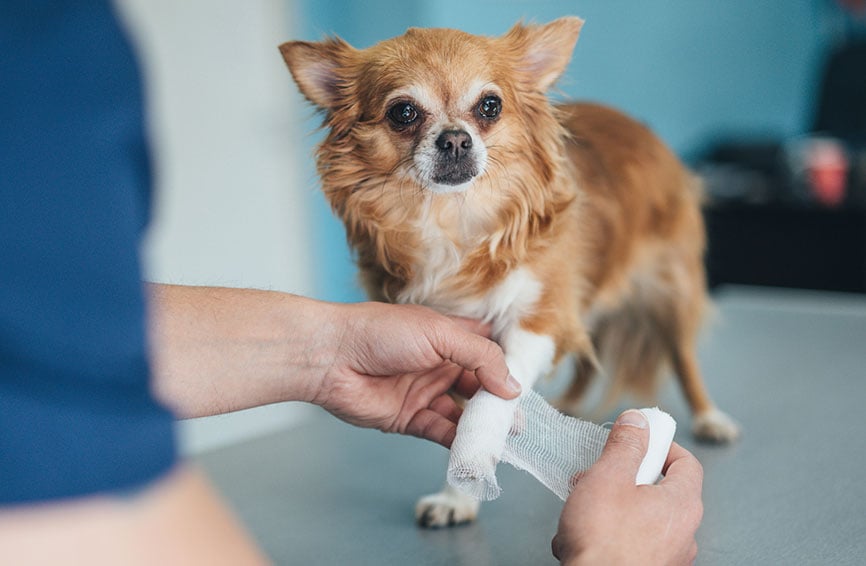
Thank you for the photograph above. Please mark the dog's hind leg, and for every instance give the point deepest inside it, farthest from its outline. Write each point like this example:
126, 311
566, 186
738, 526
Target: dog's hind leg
681, 318
585, 371
709, 424
655, 329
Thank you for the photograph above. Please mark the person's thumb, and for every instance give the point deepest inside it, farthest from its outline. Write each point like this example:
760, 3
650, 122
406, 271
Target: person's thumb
626, 446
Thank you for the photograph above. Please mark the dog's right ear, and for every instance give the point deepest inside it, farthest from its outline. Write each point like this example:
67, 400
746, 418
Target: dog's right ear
319, 68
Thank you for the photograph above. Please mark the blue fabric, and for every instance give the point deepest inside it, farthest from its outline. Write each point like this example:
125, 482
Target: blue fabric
76, 415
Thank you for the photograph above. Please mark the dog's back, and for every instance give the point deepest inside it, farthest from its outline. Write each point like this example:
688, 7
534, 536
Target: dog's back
637, 195
643, 238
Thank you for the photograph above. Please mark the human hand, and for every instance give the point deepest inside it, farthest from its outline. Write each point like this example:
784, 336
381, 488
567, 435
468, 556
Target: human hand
608, 519
394, 366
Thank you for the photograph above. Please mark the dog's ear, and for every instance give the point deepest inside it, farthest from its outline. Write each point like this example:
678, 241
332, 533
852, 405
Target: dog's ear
319, 68
544, 51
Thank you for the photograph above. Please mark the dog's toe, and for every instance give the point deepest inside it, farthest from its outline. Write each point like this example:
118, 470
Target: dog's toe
715, 426
445, 509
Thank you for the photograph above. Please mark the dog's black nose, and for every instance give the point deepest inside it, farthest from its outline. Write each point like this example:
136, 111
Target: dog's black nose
454, 143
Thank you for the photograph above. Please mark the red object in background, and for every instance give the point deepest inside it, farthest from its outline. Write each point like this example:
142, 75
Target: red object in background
827, 171
856, 7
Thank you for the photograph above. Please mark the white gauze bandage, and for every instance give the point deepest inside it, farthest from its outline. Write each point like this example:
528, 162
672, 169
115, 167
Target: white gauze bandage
531, 435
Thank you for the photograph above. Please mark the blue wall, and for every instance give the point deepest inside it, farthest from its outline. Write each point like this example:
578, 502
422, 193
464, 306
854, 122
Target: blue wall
691, 69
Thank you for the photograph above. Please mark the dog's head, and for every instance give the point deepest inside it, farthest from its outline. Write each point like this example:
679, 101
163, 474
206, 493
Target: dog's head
437, 109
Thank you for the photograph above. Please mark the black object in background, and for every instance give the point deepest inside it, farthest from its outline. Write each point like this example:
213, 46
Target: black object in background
764, 227
842, 99
787, 246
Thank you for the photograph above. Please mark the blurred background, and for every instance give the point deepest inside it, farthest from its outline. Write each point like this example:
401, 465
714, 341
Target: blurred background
767, 100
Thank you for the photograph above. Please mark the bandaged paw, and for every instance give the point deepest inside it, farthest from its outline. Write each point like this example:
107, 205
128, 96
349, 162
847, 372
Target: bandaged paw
477, 481
549, 445
479, 444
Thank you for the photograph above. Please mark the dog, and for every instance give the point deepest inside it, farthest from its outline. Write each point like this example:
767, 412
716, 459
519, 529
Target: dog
571, 228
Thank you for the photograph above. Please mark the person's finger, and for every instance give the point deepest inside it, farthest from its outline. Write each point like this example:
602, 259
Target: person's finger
675, 454
447, 407
473, 325
692, 552
466, 385
554, 546
478, 355
625, 448
430, 425
684, 471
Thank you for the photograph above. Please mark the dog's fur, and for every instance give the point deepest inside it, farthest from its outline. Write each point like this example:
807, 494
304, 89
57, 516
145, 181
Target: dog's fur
569, 225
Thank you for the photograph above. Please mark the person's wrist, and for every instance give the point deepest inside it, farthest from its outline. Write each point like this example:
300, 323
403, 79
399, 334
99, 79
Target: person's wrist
322, 326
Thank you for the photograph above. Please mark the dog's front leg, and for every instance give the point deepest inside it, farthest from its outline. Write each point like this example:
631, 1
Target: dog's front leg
487, 419
482, 432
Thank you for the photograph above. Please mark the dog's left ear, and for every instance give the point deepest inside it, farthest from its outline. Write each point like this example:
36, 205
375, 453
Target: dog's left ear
544, 50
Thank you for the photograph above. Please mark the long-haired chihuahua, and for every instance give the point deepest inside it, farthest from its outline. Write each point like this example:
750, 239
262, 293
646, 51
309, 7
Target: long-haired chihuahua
571, 228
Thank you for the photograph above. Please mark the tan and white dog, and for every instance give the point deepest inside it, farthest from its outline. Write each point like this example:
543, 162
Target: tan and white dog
571, 228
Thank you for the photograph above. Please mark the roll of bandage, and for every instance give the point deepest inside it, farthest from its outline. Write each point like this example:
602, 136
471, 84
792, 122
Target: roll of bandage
551, 446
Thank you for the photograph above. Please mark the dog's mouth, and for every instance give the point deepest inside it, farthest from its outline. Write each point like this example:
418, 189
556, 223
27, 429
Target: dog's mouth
458, 174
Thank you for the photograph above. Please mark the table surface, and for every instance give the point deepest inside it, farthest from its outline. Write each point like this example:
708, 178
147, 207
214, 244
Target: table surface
790, 366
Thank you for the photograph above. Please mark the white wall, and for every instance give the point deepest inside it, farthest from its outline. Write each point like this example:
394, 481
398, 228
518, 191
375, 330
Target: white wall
226, 125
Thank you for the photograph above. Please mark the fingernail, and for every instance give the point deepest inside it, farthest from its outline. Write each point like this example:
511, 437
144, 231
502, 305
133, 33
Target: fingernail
632, 417
513, 384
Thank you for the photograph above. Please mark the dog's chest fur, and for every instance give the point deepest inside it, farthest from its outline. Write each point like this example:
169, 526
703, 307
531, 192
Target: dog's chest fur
444, 277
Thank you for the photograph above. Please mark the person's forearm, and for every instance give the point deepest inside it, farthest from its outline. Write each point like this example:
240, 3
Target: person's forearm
216, 350
178, 519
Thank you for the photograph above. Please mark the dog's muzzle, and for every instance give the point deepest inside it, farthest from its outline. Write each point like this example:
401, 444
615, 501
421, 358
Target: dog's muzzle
456, 162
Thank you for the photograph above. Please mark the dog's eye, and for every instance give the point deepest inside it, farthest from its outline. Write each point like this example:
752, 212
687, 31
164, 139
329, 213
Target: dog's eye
490, 106
402, 114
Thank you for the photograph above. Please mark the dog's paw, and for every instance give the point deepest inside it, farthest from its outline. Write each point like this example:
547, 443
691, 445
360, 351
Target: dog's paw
715, 426
447, 508
475, 477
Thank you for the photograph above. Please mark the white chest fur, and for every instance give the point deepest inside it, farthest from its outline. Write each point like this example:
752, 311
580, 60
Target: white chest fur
502, 305
449, 229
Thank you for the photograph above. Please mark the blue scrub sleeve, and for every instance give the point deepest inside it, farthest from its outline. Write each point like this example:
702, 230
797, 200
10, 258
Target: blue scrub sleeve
76, 413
